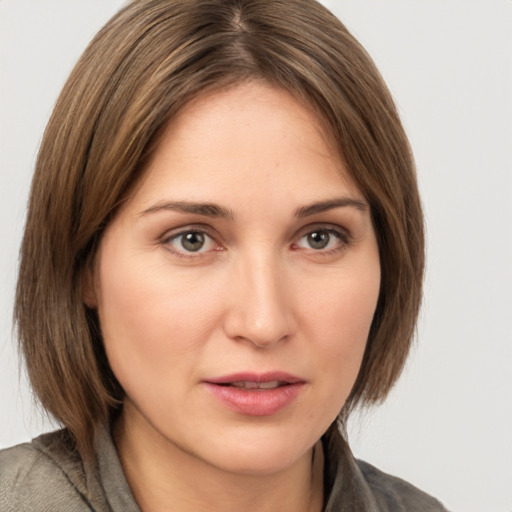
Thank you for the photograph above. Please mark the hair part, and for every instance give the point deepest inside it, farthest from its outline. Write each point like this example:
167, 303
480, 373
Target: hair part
148, 61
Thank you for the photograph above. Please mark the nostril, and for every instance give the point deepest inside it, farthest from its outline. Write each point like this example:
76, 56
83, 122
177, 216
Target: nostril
258, 311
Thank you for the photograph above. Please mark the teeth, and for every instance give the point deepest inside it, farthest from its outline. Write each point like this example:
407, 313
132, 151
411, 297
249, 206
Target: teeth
269, 385
256, 385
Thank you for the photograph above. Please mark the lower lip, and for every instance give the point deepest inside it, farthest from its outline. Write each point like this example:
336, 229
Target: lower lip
251, 402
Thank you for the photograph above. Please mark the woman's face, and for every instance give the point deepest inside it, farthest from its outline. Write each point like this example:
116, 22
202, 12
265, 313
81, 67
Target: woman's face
237, 285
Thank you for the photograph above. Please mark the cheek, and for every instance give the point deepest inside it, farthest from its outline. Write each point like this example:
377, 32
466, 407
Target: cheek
339, 319
343, 303
152, 323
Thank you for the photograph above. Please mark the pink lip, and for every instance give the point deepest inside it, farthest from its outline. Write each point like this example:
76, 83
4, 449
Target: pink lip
256, 402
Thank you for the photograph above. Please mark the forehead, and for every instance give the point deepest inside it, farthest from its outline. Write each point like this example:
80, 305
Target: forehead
248, 140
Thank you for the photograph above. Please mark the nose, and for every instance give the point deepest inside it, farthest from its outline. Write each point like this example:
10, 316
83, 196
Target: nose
260, 309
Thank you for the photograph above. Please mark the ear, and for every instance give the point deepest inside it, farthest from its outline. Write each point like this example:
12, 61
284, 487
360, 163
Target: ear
89, 297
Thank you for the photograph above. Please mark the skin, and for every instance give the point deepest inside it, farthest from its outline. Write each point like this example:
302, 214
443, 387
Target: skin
260, 295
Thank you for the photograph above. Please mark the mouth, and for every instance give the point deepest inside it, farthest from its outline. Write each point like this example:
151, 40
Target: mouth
256, 394
249, 380
245, 384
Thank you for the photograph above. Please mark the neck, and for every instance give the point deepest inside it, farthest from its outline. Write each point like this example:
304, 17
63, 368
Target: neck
164, 477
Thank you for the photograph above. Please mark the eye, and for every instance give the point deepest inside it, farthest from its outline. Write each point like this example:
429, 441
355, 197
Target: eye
318, 239
189, 242
323, 239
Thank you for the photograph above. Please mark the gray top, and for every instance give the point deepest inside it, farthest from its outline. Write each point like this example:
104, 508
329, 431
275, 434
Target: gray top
48, 475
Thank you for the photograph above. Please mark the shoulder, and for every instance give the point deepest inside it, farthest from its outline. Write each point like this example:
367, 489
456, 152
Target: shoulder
396, 495
44, 475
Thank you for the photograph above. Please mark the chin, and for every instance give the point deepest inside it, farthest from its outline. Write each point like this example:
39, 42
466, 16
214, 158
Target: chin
259, 455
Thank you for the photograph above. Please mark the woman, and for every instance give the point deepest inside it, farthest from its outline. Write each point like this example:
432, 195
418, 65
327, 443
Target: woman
223, 257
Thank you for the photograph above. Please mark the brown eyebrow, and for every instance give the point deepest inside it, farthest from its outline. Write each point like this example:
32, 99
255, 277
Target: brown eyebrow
214, 210
322, 206
206, 209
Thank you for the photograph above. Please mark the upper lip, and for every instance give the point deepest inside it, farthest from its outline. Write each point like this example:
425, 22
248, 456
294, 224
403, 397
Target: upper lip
259, 378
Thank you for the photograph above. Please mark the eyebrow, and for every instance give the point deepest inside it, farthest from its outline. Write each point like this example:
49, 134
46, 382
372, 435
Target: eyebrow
206, 209
322, 206
215, 211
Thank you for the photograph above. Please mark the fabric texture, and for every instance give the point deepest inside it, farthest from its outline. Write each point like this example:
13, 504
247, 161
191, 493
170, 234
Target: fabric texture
48, 475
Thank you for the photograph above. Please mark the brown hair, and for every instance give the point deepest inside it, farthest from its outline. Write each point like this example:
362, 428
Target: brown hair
140, 69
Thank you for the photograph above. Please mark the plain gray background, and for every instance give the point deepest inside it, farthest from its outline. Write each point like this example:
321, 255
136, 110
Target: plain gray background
447, 427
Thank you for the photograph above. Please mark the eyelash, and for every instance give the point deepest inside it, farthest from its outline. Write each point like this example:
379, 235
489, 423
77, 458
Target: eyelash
344, 238
169, 238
